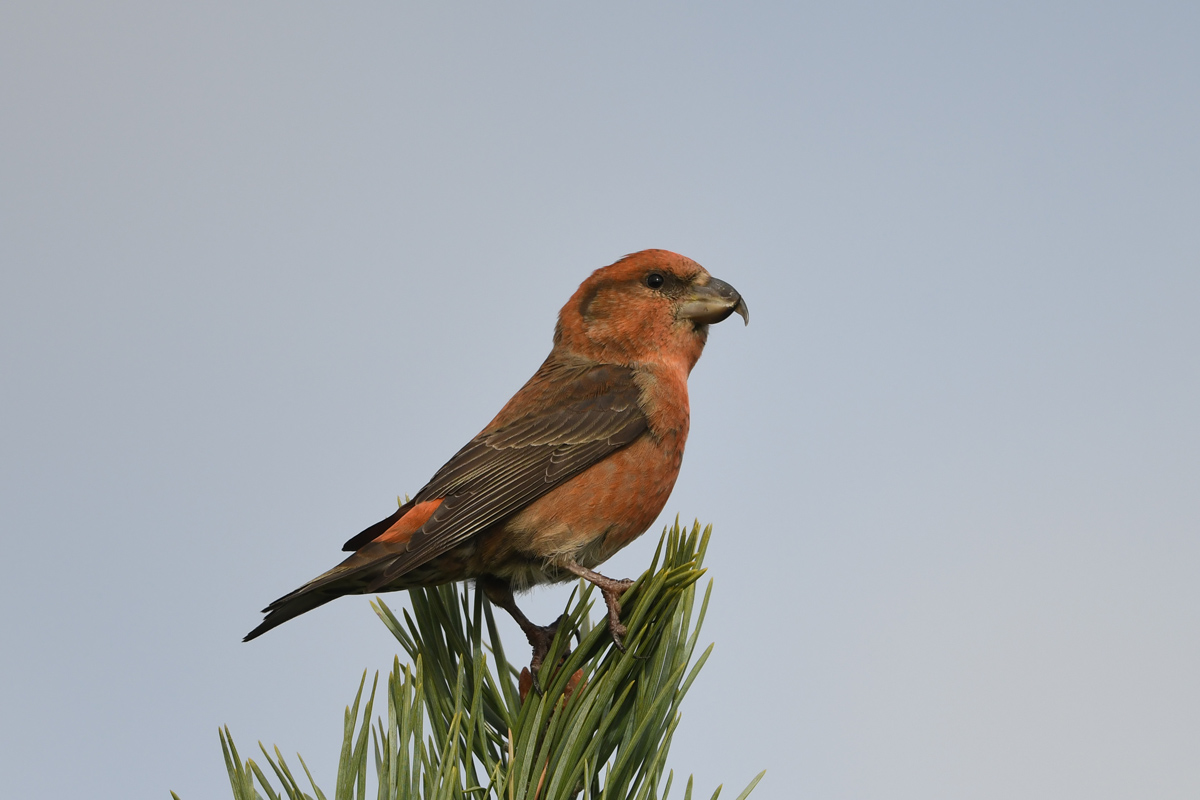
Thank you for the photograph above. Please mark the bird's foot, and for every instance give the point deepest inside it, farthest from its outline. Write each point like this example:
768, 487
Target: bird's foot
540, 638
612, 592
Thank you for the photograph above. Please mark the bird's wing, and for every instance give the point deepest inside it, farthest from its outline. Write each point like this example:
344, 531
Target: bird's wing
507, 467
576, 416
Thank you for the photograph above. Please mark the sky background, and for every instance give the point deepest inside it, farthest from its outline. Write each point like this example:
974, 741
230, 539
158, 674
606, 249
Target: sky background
267, 265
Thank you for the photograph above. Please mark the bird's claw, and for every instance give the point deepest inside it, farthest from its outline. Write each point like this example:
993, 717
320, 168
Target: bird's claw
612, 599
618, 632
544, 635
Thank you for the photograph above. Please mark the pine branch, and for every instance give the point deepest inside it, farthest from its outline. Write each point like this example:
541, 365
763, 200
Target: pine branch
462, 722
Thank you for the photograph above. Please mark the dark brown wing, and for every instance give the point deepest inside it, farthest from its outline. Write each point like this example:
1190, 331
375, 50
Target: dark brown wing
584, 413
504, 469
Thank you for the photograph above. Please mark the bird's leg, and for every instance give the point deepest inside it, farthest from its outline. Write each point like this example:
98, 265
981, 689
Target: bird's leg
611, 590
540, 637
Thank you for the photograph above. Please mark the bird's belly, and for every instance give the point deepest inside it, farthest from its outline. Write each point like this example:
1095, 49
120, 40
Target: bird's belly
588, 518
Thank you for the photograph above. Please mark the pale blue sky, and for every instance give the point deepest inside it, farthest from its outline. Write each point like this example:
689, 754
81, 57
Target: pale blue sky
266, 266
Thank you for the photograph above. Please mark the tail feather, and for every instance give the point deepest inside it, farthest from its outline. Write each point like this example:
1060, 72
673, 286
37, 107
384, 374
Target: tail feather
292, 605
352, 576
365, 571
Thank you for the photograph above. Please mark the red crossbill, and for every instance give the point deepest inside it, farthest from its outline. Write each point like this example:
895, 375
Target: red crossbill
576, 465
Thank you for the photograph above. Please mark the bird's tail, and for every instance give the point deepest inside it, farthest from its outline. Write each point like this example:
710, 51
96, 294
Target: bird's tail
356, 575
289, 606
371, 568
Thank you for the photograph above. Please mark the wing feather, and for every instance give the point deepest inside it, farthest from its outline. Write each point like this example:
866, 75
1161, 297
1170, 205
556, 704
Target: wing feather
506, 468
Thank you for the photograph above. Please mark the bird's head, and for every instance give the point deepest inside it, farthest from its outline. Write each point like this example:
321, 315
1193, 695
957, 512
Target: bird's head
649, 306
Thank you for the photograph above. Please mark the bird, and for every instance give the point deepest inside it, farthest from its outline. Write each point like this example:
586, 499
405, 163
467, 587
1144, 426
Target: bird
578, 464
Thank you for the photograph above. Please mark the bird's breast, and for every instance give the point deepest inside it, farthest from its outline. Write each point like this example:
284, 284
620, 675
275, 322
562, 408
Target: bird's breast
664, 401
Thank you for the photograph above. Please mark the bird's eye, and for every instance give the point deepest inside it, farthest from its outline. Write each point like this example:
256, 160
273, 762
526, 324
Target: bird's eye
655, 280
